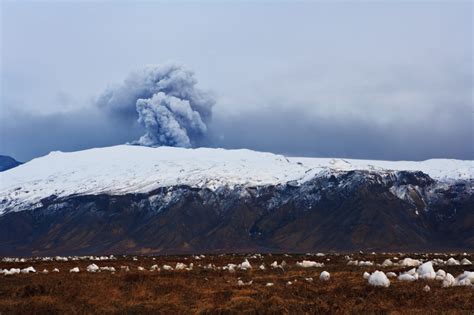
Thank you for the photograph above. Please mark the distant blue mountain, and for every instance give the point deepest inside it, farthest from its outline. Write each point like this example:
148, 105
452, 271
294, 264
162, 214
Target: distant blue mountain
7, 163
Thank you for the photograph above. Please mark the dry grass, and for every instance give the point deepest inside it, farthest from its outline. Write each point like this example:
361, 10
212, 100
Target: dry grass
216, 291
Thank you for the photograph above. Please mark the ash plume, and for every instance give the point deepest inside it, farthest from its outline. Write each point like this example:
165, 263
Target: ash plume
164, 100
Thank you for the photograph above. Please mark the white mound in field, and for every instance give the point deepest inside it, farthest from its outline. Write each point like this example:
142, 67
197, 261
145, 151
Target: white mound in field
379, 279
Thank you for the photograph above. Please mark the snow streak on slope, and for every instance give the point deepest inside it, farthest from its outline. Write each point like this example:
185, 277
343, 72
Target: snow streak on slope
439, 169
136, 169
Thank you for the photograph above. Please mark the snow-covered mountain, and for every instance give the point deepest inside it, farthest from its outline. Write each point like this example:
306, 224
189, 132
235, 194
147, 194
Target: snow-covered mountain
126, 169
134, 199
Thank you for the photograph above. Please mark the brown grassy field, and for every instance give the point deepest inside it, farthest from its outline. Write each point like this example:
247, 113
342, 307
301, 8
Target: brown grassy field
206, 291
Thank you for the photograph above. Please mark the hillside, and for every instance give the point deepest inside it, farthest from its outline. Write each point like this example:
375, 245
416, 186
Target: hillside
132, 199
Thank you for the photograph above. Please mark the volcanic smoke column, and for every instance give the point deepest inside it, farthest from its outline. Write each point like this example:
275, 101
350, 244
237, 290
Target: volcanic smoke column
169, 106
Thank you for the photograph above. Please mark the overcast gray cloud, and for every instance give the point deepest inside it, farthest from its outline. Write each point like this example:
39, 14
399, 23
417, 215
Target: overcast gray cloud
370, 80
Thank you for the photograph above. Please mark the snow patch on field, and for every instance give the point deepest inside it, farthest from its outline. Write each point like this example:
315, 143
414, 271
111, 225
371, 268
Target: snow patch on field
379, 279
309, 264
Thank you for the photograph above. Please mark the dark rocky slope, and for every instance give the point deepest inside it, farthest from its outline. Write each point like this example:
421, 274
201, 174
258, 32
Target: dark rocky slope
343, 211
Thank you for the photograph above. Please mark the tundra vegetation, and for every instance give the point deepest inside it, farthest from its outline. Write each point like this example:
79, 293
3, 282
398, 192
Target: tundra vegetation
239, 283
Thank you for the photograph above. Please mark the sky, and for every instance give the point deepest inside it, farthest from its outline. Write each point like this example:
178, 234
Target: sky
386, 80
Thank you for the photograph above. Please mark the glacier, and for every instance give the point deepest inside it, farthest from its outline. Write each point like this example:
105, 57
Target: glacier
129, 169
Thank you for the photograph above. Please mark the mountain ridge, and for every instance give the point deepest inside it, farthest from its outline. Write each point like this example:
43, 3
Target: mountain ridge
219, 203
136, 169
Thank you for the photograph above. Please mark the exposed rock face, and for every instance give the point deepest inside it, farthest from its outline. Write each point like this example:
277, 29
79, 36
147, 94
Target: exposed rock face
340, 211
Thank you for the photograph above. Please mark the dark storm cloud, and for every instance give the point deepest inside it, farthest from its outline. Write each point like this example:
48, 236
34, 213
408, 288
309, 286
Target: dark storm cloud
409, 114
278, 129
300, 134
25, 136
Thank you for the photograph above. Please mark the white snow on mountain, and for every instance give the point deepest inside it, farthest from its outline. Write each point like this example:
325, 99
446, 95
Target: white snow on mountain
440, 169
137, 169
